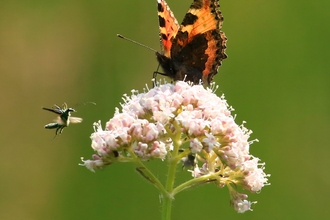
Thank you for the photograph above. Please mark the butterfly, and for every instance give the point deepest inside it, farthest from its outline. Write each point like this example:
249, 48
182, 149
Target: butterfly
192, 51
64, 118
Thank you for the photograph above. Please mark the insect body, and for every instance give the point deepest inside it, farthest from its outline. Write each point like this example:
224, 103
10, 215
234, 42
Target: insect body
189, 161
64, 118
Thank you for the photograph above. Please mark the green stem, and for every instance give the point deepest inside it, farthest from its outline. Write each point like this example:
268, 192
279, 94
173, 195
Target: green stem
167, 200
195, 182
166, 207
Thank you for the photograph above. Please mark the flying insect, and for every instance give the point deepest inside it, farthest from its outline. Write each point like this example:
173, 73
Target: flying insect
63, 119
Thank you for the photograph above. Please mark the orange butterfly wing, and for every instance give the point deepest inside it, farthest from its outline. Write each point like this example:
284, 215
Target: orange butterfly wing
168, 27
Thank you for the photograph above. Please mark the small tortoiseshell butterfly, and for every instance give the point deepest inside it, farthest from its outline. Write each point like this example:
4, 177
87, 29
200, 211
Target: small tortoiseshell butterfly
194, 50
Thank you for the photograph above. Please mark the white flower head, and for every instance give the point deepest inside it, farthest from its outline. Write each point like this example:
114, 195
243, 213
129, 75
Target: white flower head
174, 121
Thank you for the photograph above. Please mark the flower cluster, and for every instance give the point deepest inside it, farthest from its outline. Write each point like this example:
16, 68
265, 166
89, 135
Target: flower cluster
187, 123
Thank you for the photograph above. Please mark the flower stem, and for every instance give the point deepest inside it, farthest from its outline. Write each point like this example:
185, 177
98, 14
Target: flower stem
166, 208
167, 199
195, 182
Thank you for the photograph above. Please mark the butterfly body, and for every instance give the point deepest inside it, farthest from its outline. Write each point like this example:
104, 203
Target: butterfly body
192, 51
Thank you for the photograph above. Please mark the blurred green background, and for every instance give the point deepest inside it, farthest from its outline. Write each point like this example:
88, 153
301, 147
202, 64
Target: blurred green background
276, 77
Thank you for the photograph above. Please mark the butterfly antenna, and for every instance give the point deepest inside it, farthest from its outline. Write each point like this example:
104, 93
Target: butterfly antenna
133, 41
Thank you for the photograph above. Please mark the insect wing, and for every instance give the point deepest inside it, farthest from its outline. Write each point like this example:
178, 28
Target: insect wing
75, 119
56, 110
